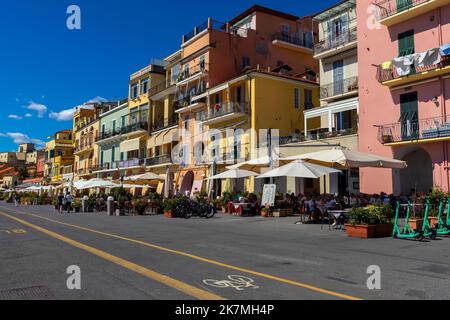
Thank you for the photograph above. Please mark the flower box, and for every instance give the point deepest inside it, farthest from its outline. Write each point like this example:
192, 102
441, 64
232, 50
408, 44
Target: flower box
433, 221
168, 214
384, 230
361, 231
416, 224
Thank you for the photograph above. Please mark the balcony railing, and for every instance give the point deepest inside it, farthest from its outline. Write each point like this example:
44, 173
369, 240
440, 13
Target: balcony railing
158, 160
159, 88
339, 88
413, 130
317, 135
84, 147
389, 8
333, 42
127, 163
223, 109
387, 72
197, 69
108, 134
295, 38
161, 125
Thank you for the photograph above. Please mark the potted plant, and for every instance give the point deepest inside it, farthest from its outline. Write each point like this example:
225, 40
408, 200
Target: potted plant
76, 205
435, 198
155, 202
120, 196
169, 205
265, 212
382, 217
140, 206
360, 225
92, 201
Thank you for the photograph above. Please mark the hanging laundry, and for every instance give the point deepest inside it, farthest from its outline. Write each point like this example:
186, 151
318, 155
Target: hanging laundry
386, 65
445, 50
427, 58
403, 65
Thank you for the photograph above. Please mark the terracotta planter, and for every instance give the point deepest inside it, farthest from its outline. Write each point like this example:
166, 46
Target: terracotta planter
358, 231
168, 214
282, 213
433, 221
384, 230
264, 214
416, 224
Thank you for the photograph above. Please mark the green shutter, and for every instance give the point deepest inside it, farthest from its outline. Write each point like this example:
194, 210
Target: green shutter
406, 43
403, 5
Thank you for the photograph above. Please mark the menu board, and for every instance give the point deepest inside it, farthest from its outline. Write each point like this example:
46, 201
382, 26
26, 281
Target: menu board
269, 194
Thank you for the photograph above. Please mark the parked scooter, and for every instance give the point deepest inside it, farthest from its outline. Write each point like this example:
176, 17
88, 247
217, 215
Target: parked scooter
443, 228
407, 232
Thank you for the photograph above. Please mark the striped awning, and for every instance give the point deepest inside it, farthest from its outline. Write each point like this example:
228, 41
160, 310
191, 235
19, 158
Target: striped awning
171, 136
130, 145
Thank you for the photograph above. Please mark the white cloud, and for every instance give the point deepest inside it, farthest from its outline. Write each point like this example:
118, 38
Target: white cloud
20, 138
64, 115
15, 116
28, 115
67, 115
39, 108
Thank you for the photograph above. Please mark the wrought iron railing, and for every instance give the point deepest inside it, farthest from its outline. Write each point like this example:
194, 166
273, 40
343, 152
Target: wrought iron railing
317, 135
223, 109
158, 160
387, 72
161, 125
159, 88
199, 68
130, 163
387, 8
337, 88
295, 38
412, 130
333, 42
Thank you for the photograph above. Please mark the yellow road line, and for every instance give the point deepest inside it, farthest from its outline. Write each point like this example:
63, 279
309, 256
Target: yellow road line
217, 263
173, 283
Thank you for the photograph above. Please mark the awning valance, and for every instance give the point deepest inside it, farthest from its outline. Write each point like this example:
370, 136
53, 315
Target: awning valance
171, 136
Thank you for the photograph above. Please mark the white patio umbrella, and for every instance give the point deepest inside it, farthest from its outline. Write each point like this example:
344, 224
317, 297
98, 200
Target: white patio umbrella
144, 178
234, 174
349, 159
79, 184
98, 183
299, 169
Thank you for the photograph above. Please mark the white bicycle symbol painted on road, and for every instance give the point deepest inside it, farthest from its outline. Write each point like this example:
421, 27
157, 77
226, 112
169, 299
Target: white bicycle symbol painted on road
240, 283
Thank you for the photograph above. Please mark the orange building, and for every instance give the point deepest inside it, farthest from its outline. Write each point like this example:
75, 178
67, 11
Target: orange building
214, 53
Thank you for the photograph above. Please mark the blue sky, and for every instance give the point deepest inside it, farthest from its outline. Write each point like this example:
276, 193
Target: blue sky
46, 69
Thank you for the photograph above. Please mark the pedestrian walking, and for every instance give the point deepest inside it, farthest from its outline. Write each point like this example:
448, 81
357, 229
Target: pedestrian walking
60, 202
69, 199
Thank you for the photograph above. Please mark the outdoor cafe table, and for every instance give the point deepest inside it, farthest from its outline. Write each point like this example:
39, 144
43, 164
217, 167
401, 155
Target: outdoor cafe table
338, 215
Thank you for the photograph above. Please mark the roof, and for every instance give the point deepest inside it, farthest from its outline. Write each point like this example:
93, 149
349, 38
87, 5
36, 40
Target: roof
334, 10
258, 8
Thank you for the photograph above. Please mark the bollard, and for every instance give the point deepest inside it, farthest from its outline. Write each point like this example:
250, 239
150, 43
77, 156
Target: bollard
84, 204
110, 206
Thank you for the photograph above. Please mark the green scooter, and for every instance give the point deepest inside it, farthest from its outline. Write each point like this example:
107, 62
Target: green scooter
427, 230
406, 232
443, 229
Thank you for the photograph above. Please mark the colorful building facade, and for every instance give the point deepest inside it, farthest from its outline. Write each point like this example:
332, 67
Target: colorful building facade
404, 93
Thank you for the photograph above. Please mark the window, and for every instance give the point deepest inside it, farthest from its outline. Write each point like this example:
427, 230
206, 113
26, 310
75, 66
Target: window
176, 73
101, 158
245, 61
114, 126
285, 30
134, 90
113, 154
297, 98
144, 85
308, 99
409, 116
103, 129
186, 123
124, 121
122, 156
406, 43
202, 63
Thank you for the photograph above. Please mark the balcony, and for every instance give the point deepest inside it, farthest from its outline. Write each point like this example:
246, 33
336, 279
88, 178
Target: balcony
127, 164
192, 73
388, 74
391, 12
87, 171
295, 41
160, 91
336, 44
226, 111
135, 128
108, 134
83, 147
339, 89
421, 131
317, 135
161, 125
159, 160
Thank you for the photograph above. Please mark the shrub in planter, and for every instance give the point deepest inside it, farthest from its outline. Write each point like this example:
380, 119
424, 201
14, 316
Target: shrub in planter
265, 212
92, 201
370, 222
76, 205
169, 205
140, 206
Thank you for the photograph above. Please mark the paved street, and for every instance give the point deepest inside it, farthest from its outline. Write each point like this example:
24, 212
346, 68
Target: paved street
227, 257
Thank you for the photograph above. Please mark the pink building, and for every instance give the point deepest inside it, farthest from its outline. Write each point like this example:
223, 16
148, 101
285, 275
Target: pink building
404, 92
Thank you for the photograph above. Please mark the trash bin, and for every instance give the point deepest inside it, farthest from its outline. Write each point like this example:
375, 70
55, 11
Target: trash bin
110, 206
84, 204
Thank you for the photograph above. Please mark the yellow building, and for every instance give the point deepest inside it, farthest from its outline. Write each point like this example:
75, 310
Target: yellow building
137, 124
59, 156
238, 111
86, 130
164, 121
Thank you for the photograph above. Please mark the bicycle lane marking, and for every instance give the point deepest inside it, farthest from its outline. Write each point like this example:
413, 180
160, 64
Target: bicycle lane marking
202, 259
168, 281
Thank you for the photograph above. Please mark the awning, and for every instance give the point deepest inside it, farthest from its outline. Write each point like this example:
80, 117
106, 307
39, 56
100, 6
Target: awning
151, 142
171, 136
130, 145
159, 140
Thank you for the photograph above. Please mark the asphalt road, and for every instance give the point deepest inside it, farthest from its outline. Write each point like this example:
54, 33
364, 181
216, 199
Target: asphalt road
227, 257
